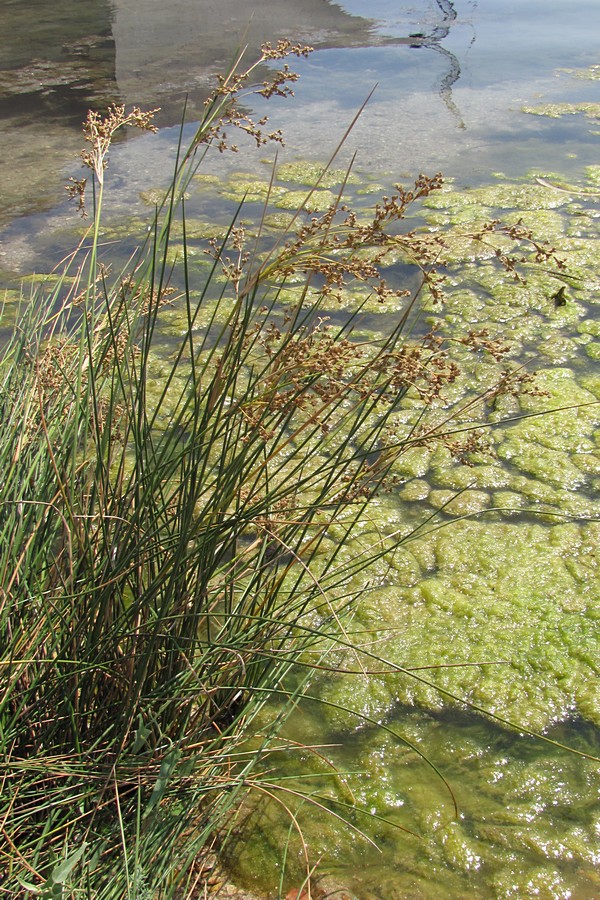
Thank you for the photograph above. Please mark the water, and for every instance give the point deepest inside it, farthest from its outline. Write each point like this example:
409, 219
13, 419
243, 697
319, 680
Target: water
452, 80
524, 828
449, 98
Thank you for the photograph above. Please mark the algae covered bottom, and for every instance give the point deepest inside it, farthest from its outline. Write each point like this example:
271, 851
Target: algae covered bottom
491, 598
527, 822
489, 593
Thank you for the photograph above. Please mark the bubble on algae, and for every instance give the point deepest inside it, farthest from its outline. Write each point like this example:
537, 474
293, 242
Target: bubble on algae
593, 351
374, 187
560, 387
592, 173
201, 178
558, 348
548, 465
414, 463
466, 503
458, 478
509, 502
589, 326
359, 296
280, 221
461, 249
581, 256
418, 489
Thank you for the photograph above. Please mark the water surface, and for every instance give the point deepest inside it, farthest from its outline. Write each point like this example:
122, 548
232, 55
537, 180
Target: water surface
451, 79
519, 585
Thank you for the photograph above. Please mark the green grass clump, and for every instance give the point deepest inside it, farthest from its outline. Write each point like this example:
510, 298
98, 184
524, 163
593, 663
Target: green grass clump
164, 555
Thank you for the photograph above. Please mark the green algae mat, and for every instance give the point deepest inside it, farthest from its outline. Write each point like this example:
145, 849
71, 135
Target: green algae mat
489, 596
492, 597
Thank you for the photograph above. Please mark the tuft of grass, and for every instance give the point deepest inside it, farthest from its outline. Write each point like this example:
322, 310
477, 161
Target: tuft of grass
164, 559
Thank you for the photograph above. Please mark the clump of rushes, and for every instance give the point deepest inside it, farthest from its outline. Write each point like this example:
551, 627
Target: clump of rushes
163, 566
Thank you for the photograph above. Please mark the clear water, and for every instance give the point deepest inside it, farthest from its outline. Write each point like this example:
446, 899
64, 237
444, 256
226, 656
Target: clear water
448, 99
452, 80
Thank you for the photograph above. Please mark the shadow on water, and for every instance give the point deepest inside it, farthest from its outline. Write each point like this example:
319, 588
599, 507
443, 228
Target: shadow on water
432, 41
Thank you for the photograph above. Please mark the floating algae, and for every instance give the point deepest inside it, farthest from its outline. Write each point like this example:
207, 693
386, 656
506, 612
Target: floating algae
504, 595
311, 173
499, 609
556, 110
591, 73
318, 201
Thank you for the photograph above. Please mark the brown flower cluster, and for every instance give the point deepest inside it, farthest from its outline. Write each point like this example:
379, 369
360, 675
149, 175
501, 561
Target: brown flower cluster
99, 132
312, 373
223, 109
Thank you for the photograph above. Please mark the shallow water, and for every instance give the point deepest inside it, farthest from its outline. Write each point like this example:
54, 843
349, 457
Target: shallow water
513, 590
451, 80
526, 825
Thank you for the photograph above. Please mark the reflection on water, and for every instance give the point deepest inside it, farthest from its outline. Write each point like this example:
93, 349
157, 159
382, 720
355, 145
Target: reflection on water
58, 60
432, 41
55, 66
